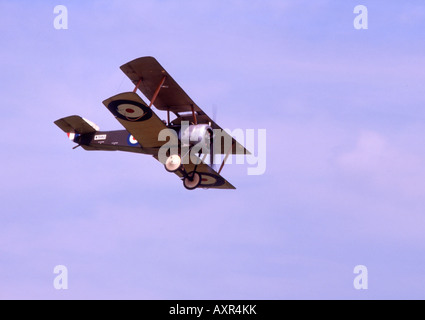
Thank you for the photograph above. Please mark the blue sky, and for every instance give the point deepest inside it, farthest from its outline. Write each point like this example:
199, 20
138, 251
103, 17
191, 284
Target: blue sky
345, 178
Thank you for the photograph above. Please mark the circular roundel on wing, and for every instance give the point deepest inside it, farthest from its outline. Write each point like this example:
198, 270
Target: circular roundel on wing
209, 180
132, 141
130, 110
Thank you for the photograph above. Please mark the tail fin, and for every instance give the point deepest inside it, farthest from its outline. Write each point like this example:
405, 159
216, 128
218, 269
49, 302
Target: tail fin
76, 124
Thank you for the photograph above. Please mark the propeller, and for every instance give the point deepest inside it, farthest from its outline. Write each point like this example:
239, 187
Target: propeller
212, 149
214, 118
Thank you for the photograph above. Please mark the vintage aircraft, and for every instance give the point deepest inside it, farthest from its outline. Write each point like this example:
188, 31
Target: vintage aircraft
192, 127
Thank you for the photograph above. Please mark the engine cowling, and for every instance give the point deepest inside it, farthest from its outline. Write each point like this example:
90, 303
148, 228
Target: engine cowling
194, 134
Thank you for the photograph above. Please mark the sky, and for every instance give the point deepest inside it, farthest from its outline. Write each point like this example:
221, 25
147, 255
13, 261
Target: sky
344, 185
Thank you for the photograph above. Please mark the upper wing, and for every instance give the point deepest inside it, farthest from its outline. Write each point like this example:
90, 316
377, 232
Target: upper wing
133, 113
148, 74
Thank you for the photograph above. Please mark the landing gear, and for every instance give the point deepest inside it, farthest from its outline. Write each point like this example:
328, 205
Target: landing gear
192, 180
173, 163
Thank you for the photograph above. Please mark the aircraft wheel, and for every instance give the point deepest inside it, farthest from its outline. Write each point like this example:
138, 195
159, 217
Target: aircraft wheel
192, 180
173, 163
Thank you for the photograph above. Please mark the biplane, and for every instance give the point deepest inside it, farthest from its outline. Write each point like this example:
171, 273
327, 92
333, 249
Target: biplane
191, 126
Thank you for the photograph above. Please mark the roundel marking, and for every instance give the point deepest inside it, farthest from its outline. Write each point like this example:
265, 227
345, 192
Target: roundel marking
208, 180
130, 110
131, 140
211, 180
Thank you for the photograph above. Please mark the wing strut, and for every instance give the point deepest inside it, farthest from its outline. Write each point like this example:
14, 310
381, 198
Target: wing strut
157, 91
137, 85
225, 158
195, 120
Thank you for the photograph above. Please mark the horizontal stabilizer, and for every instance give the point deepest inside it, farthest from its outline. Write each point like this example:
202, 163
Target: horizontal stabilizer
76, 124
